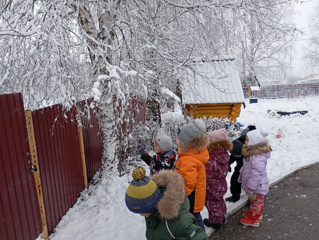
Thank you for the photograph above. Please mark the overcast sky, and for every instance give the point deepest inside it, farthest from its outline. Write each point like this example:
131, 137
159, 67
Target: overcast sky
304, 11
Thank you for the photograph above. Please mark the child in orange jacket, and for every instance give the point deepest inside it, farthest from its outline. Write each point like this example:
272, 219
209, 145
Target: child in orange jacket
192, 156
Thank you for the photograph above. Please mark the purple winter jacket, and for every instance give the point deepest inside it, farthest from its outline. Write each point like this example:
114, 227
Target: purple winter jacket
253, 171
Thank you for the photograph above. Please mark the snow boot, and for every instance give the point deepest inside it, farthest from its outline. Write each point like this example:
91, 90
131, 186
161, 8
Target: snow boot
248, 214
215, 226
252, 221
233, 198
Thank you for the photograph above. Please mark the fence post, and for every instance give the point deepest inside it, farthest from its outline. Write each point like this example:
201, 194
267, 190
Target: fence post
85, 179
37, 178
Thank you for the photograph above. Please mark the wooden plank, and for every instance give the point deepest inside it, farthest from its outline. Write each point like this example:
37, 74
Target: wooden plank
209, 106
37, 178
85, 178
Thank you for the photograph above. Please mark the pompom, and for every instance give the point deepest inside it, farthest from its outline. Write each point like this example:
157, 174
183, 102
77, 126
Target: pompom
264, 131
138, 173
199, 123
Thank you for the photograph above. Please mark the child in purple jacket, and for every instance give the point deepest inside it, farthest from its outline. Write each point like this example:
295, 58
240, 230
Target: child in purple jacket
216, 172
253, 174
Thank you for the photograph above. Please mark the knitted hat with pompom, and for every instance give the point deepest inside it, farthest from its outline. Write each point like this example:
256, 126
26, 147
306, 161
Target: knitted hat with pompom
218, 135
142, 195
257, 136
163, 140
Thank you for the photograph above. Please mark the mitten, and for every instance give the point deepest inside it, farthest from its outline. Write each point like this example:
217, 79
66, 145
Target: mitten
239, 178
141, 151
252, 198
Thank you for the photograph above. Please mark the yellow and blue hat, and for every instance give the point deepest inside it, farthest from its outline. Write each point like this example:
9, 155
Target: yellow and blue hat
142, 195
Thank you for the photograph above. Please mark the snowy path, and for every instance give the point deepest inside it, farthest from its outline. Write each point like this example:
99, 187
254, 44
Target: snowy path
102, 214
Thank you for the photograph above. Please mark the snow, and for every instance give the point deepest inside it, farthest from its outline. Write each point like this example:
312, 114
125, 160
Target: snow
100, 212
171, 94
97, 93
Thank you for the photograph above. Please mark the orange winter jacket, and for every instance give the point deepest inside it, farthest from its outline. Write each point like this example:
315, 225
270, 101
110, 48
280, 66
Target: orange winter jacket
191, 166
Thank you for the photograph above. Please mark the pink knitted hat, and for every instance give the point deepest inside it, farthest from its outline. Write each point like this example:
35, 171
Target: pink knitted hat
218, 135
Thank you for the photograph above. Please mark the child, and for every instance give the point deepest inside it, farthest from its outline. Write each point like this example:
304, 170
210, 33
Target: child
163, 203
253, 174
192, 156
216, 172
164, 158
236, 156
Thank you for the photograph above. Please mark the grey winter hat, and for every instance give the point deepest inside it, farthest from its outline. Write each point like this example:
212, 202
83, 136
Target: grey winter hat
199, 123
187, 133
163, 140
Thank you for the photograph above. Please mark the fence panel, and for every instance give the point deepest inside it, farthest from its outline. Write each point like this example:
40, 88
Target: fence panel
59, 158
91, 139
19, 211
140, 108
286, 91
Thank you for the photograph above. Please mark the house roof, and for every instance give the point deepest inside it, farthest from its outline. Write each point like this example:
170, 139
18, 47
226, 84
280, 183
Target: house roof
310, 79
210, 82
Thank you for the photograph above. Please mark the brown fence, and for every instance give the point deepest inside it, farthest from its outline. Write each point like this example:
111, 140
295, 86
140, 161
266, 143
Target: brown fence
19, 211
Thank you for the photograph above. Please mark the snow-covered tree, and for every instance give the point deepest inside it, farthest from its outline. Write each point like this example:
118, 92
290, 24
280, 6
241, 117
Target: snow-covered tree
41, 54
313, 49
264, 31
65, 50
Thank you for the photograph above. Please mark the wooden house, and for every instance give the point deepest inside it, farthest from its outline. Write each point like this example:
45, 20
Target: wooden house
212, 89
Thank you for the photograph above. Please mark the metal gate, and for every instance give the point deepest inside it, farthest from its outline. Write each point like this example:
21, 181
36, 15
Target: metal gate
19, 210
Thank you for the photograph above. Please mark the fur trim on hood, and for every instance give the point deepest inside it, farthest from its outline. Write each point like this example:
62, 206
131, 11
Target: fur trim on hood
169, 206
196, 144
259, 148
222, 144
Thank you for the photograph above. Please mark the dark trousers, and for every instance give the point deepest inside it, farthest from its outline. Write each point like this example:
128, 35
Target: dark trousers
235, 186
199, 220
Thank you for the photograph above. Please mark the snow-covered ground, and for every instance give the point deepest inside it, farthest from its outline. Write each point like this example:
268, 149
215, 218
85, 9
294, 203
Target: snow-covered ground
100, 212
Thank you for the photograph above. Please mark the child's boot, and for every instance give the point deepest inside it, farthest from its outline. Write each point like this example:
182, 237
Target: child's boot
252, 220
248, 214
233, 198
215, 226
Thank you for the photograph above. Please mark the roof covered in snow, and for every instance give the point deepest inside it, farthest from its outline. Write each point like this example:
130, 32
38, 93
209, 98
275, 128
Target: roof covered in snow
210, 82
310, 79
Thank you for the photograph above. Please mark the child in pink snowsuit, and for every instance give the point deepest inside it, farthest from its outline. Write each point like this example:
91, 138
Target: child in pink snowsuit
253, 174
216, 172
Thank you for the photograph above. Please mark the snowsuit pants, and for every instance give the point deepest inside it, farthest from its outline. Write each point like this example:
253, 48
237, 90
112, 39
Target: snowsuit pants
215, 204
258, 205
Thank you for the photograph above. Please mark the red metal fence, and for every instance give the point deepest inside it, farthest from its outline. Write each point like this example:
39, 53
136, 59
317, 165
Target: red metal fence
128, 113
19, 211
31, 203
56, 135
91, 138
